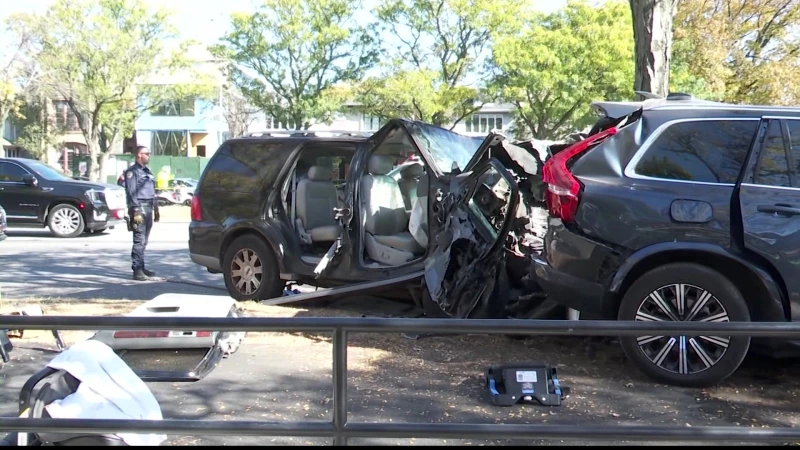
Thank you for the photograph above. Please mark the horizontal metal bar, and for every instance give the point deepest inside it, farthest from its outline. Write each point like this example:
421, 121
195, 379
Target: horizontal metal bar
172, 426
393, 325
570, 432
407, 430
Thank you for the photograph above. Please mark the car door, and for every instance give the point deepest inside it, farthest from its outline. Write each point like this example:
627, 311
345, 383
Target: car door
469, 218
15, 195
769, 198
342, 247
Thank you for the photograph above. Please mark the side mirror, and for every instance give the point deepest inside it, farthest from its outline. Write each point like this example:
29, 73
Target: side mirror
30, 180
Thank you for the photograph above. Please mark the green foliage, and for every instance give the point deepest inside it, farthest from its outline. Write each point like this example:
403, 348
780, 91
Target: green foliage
37, 131
290, 56
741, 51
561, 62
94, 54
434, 73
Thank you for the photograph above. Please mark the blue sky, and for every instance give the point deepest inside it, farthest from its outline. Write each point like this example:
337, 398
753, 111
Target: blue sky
203, 20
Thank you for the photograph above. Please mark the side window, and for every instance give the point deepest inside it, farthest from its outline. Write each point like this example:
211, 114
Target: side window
264, 161
11, 172
773, 166
240, 167
711, 151
794, 146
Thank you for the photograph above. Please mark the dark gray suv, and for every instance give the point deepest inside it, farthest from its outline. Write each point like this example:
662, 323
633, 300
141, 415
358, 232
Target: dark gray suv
679, 210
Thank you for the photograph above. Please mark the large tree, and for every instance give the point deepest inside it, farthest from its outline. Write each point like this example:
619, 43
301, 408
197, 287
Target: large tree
289, 56
744, 51
561, 62
95, 55
17, 70
652, 33
436, 49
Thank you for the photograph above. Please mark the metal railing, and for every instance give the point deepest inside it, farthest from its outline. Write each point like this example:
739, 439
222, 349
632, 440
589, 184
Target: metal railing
341, 430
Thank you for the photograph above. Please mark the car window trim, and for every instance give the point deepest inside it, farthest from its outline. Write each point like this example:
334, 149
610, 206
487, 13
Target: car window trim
630, 171
27, 172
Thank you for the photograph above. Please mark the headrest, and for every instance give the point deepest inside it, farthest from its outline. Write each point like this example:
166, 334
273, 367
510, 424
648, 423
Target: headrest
412, 171
380, 164
320, 173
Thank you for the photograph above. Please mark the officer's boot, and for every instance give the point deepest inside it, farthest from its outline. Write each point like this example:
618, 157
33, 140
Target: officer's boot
149, 273
139, 275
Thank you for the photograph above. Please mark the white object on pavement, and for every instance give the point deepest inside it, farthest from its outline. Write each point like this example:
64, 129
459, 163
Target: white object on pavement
109, 389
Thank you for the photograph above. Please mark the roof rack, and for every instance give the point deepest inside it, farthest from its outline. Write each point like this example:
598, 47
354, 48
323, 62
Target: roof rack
309, 133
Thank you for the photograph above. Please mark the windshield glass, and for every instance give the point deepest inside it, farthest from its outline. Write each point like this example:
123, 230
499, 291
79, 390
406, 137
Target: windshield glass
447, 148
47, 172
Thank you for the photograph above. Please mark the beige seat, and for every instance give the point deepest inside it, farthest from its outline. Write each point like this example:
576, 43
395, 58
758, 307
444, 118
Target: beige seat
409, 177
384, 216
316, 199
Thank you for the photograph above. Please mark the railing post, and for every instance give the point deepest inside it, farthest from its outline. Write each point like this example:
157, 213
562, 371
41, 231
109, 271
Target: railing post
339, 385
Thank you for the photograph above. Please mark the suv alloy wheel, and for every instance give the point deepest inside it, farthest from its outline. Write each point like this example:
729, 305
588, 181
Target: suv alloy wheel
685, 292
250, 270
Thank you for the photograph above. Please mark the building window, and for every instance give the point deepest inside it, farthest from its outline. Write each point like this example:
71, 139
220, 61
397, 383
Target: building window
181, 108
65, 118
169, 143
371, 123
277, 124
484, 123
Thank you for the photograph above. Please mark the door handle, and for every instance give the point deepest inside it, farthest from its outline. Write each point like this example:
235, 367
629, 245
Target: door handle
780, 208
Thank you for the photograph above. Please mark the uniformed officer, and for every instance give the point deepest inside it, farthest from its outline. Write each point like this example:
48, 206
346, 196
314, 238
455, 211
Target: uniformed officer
140, 192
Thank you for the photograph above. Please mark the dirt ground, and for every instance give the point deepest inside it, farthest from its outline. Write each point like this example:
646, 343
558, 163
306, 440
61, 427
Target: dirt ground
448, 371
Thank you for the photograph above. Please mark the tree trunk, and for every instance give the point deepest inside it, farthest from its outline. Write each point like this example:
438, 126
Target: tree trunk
102, 163
652, 33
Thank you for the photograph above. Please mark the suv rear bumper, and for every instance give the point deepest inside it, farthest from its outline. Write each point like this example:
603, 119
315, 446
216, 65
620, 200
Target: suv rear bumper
576, 270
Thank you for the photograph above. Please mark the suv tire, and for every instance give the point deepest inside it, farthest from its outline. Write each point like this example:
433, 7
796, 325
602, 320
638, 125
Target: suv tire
251, 254
65, 221
707, 294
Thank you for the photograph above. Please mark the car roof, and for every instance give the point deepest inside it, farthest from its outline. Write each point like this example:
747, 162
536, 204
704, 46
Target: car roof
688, 103
321, 135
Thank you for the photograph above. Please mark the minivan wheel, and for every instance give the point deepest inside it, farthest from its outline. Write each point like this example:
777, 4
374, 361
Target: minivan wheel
251, 271
685, 292
65, 221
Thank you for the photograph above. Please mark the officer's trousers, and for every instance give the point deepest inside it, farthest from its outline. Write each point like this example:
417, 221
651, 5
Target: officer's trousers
140, 237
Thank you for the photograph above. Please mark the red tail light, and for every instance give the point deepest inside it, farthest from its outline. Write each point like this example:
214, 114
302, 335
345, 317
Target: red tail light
203, 334
197, 215
563, 189
140, 334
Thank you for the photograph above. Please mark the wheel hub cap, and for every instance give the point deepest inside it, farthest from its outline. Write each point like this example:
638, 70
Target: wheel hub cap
682, 303
246, 271
66, 221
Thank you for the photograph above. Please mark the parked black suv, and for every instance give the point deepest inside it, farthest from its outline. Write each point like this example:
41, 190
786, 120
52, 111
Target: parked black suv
412, 203
34, 194
679, 210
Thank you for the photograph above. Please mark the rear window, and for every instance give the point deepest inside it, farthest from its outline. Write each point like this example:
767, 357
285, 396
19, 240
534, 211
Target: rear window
242, 166
710, 151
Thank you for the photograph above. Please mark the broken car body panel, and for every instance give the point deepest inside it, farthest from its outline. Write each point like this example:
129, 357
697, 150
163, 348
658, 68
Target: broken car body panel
470, 228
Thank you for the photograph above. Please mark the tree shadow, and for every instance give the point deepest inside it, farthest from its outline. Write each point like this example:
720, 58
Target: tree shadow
103, 274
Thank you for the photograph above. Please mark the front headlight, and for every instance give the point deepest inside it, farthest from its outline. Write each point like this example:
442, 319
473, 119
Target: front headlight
95, 196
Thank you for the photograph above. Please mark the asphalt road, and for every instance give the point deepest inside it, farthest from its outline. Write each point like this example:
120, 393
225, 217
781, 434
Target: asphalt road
35, 265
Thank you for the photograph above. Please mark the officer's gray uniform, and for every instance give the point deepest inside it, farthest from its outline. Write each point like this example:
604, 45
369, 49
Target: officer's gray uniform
140, 193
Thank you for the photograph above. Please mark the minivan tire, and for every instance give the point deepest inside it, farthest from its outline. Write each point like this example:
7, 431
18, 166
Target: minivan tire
244, 248
62, 212
697, 282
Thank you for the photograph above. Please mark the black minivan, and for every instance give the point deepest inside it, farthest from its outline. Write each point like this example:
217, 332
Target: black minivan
680, 210
414, 206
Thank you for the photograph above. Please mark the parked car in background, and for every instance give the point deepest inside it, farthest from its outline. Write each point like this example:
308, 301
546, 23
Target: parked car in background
2, 224
679, 210
34, 194
414, 205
